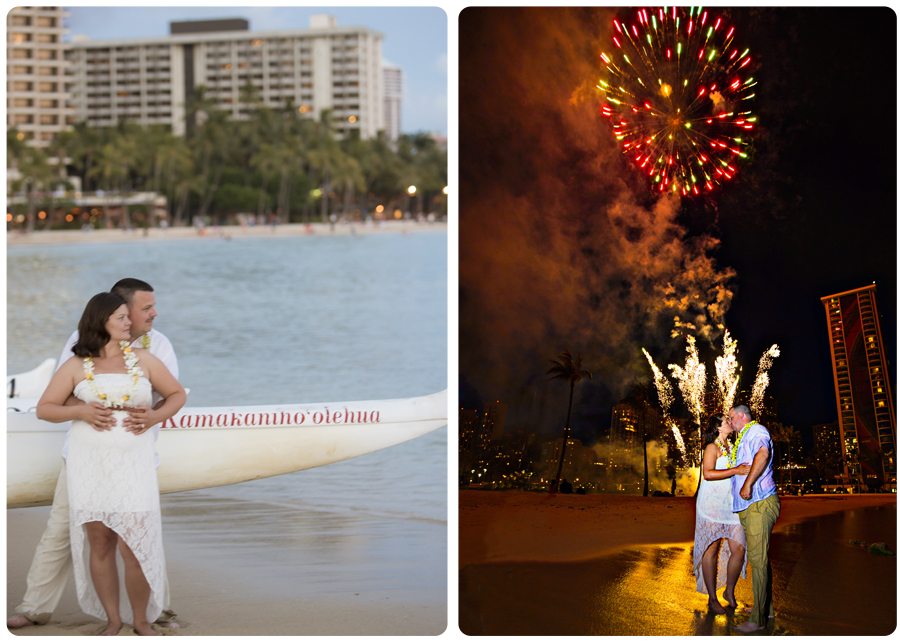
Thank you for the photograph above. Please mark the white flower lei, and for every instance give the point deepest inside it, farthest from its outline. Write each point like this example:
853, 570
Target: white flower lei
131, 361
723, 446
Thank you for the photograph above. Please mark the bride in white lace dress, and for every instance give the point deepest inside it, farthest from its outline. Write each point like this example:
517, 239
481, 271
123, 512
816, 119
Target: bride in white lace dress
720, 546
111, 465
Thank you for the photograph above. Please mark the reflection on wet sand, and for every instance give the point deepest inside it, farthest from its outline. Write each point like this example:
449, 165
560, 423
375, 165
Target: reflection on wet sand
824, 584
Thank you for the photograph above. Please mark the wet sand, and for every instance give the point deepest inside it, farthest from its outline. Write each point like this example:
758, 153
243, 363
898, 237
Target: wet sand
58, 237
239, 567
548, 582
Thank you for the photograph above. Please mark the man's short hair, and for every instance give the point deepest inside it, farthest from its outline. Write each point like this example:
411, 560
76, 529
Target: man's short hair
126, 288
743, 409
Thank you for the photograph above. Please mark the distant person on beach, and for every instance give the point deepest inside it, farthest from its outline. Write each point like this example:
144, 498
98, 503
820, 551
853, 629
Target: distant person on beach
720, 553
756, 503
50, 567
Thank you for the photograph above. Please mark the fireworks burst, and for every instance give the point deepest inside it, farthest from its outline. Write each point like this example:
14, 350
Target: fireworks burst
678, 93
762, 380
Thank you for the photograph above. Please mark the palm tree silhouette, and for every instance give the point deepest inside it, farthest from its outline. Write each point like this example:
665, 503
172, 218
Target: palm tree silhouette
639, 396
568, 368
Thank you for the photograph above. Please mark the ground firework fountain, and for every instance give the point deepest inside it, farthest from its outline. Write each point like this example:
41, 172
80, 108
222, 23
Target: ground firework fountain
691, 378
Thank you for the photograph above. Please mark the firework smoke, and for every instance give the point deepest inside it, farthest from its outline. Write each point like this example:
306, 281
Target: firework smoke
559, 246
630, 468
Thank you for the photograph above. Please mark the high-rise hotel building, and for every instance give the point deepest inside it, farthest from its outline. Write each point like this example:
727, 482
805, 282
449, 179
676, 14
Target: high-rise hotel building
866, 415
393, 99
152, 80
36, 93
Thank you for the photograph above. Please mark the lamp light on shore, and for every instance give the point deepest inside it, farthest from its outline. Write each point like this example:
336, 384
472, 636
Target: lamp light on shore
411, 190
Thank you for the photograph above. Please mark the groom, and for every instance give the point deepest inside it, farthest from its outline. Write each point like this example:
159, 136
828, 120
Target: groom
756, 502
50, 567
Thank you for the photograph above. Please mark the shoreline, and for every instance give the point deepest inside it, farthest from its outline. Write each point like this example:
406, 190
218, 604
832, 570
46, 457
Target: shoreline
518, 526
226, 232
240, 567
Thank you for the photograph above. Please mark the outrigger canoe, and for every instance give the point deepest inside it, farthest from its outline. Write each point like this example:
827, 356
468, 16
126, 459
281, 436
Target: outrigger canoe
204, 447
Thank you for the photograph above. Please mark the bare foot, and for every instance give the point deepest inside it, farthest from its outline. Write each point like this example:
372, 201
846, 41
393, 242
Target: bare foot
145, 629
716, 607
167, 619
111, 629
729, 598
749, 627
18, 620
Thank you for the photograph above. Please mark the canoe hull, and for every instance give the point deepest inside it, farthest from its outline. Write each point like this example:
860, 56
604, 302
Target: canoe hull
210, 447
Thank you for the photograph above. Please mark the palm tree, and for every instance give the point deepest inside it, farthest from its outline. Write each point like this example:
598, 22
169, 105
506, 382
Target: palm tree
568, 368
324, 157
36, 174
640, 395
209, 136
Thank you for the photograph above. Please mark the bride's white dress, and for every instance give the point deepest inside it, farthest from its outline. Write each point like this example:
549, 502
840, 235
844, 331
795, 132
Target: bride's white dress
112, 479
716, 520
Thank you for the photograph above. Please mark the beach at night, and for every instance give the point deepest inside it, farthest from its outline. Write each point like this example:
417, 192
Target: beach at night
615, 564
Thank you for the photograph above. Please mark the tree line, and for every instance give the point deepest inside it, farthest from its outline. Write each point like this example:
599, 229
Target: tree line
275, 162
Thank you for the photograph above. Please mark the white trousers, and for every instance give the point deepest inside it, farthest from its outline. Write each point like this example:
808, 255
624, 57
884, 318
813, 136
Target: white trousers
52, 562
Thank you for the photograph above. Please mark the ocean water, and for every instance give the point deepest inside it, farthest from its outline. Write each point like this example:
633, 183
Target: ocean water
283, 320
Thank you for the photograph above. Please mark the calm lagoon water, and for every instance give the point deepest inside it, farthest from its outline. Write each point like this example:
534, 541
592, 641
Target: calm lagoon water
283, 320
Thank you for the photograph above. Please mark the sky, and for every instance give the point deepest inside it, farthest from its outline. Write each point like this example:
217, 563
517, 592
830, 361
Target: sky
415, 39
563, 246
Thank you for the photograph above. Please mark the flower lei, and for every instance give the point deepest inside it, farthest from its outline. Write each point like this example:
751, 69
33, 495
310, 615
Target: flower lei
732, 457
145, 340
131, 361
722, 446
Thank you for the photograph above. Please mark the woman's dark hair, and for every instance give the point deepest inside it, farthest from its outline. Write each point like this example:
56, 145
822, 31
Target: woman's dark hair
92, 335
711, 433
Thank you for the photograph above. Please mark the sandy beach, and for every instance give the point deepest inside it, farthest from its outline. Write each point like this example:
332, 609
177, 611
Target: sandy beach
53, 237
535, 564
515, 526
239, 567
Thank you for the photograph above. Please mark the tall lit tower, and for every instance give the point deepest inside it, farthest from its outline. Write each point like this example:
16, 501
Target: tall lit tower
862, 386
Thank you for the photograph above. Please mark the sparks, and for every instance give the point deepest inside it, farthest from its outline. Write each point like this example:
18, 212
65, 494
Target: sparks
757, 405
663, 388
727, 373
678, 439
691, 380
688, 64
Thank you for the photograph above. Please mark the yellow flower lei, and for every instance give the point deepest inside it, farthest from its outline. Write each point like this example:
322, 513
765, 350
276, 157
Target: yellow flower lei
732, 457
145, 340
131, 361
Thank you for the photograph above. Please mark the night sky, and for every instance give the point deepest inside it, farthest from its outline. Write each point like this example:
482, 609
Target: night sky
563, 247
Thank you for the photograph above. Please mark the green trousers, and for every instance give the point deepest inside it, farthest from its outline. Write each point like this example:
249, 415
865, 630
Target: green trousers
757, 521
